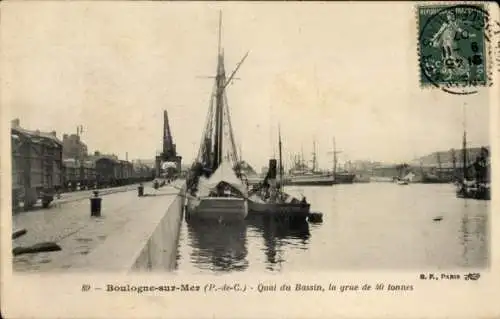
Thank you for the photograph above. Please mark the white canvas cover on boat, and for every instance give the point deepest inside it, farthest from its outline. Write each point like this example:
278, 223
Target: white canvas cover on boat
409, 177
224, 173
167, 165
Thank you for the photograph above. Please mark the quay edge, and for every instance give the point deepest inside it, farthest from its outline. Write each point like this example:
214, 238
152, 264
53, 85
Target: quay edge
164, 238
135, 234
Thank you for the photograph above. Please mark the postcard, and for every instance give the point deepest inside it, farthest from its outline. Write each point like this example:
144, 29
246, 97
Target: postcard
249, 159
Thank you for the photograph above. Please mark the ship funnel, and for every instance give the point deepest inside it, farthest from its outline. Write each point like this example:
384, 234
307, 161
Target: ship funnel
272, 169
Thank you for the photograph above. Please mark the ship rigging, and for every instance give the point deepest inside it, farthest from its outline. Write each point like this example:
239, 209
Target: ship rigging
215, 181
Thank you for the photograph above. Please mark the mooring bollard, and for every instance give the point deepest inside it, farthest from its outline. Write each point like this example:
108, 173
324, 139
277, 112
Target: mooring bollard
95, 205
140, 190
315, 217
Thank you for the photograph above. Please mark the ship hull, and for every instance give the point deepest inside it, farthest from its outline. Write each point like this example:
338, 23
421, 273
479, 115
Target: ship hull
321, 181
217, 208
279, 210
344, 178
359, 180
290, 208
474, 192
328, 181
434, 182
431, 180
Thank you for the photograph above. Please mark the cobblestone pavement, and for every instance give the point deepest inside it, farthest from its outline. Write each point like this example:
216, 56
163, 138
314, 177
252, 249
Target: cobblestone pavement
84, 194
80, 195
71, 226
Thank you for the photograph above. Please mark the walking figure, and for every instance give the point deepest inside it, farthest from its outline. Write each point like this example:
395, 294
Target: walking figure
446, 35
452, 63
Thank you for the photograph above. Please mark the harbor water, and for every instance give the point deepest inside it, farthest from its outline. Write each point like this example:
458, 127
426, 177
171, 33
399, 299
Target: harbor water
372, 226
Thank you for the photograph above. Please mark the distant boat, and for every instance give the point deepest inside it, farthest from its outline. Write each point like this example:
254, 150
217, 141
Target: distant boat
310, 179
473, 190
478, 188
344, 178
380, 179
430, 178
302, 175
215, 186
406, 179
341, 177
362, 179
305, 176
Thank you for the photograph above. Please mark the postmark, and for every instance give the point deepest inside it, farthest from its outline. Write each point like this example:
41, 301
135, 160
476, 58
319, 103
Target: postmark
453, 47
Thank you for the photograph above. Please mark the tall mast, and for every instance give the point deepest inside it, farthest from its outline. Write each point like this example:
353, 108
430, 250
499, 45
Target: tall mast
219, 47
334, 157
280, 158
314, 156
222, 107
438, 157
464, 147
464, 155
301, 156
453, 161
219, 100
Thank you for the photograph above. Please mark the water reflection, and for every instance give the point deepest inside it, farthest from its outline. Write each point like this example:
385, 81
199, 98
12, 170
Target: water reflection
367, 226
473, 234
218, 246
279, 235
222, 247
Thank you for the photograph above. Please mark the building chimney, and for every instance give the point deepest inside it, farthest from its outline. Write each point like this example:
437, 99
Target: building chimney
15, 123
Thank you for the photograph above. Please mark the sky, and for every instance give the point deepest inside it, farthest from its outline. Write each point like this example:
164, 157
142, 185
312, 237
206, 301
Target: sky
317, 70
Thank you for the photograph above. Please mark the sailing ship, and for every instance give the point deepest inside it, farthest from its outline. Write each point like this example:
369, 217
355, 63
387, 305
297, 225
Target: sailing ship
436, 177
269, 198
340, 177
344, 177
478, 187
429, 178
302, 175
215, 185
405, 176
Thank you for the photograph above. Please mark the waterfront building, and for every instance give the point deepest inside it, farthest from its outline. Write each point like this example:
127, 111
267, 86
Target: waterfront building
74, 147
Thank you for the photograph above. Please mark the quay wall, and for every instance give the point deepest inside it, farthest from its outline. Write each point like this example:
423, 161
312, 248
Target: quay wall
147, 240
160, 251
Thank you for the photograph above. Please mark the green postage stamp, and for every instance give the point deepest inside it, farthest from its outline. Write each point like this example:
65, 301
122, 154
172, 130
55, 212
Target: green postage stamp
453, 46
